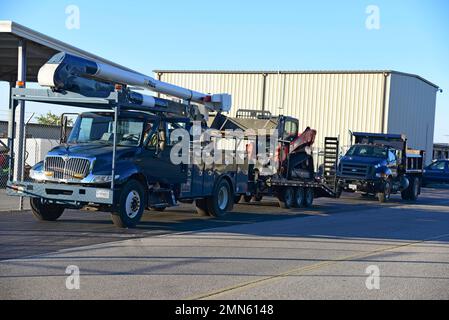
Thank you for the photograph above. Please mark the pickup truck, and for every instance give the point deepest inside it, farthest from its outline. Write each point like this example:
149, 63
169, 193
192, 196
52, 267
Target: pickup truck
381, 165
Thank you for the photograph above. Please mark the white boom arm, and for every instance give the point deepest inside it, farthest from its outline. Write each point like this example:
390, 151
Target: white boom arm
63, 69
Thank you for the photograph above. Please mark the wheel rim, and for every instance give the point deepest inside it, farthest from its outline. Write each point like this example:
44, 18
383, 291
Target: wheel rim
132, 204
289, 196
223, 198
416, 188
387, 191
309, 196
299, 197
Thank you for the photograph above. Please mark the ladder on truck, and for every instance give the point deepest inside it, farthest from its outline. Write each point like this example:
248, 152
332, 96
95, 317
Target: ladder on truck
331, 151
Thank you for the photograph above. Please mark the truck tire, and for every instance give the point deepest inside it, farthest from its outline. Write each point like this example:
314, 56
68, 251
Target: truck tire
258, 198
131, 205
285, 198
338, 192
412, 192
201, 207
221, 201
299, 197
45, 212
386, 194
416, 190
308, 197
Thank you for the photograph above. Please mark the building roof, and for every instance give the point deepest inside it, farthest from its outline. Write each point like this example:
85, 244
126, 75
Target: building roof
40, 48
297, 72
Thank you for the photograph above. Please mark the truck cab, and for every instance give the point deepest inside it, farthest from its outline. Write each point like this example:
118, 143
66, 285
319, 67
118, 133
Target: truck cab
79, 172
381, 165
85, 157
142, 155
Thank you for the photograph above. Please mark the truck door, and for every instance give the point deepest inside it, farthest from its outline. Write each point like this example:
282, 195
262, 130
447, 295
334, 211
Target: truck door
392, 162
193, 187
158, 165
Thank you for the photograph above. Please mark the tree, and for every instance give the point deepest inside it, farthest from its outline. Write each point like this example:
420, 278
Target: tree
51, 119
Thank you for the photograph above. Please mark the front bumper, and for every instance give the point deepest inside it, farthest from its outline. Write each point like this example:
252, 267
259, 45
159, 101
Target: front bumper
40, 177
365, 185
62, 193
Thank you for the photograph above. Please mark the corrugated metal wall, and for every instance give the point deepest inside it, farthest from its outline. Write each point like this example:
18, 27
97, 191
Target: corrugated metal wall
411, 110
246, 89
332, 103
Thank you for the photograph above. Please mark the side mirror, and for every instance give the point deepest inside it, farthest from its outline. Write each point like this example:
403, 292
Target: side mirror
64, 127
63, 134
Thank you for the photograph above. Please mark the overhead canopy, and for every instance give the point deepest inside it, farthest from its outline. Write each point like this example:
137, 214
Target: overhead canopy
39, 48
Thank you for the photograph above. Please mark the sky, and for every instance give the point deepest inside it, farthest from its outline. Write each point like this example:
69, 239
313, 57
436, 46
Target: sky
412, 36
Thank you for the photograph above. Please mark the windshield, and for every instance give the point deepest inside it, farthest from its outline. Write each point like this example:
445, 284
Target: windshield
368, 151
99, 128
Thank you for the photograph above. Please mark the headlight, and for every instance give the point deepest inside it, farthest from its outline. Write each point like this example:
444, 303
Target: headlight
37, 175
102, 178
377, 166
381, 175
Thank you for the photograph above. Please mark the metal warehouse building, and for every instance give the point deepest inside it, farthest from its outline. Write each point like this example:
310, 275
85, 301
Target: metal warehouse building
331, 102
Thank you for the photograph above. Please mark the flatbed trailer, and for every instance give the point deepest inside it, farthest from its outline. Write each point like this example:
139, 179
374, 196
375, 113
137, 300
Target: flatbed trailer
321, 189
291, 191
297, 192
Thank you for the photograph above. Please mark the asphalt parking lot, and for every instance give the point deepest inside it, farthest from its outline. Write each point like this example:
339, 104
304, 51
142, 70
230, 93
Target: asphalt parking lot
258, 252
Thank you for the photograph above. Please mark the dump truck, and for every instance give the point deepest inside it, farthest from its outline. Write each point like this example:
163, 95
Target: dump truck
381, 165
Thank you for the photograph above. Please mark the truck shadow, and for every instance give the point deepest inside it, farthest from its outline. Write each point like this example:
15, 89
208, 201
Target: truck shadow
22, 236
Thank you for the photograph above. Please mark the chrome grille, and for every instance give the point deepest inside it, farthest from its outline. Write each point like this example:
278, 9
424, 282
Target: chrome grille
355, 170
67, 168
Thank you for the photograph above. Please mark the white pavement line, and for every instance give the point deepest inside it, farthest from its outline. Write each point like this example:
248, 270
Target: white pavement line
298, 271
